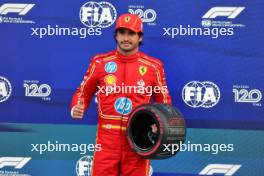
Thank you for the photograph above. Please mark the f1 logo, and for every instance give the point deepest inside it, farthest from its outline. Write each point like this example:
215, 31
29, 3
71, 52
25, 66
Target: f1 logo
227, 169
16, 162
229, 12
21, 9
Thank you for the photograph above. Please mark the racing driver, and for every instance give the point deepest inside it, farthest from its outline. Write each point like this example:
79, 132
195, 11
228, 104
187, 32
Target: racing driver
109, 76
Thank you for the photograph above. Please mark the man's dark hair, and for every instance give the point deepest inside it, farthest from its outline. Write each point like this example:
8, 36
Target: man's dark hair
139, 34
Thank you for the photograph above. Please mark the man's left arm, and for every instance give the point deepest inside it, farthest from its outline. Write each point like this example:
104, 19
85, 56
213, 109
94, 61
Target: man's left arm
160, 90
161, 95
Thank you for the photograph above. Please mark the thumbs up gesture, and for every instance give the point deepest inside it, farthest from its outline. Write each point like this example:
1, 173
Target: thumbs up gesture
78, 109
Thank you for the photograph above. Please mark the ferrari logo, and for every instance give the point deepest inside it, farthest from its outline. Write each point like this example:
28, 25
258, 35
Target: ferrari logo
142, 70
127, 19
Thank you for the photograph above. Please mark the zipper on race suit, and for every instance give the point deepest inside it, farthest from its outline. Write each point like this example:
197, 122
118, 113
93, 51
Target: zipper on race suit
121, 121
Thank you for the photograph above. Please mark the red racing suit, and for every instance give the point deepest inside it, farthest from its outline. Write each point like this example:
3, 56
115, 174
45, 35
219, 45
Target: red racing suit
135, 78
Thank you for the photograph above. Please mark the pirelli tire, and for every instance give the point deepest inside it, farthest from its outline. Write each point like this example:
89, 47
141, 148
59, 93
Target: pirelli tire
171, 131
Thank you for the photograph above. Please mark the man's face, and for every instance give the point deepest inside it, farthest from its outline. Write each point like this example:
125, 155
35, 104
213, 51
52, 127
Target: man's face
127, 40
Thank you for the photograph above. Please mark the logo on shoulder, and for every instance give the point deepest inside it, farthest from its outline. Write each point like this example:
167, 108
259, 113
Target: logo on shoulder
142, 70
5, 89
110, 67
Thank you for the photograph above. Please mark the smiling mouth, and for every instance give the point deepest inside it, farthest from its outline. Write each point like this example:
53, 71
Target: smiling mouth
126, 44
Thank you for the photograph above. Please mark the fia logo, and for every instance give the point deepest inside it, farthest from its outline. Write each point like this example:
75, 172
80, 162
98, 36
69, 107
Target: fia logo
201, 94
98, 14
84, 166
5, 89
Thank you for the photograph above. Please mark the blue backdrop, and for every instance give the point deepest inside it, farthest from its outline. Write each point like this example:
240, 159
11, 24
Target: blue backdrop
212, 53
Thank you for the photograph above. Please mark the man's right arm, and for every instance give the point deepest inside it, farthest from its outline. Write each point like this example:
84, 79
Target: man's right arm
84, 93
